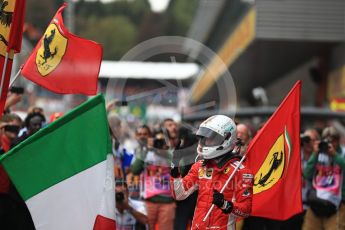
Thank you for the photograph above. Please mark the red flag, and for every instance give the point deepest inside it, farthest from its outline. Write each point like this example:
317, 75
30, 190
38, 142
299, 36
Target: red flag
11, 29
64, 63
16, 33
274, 158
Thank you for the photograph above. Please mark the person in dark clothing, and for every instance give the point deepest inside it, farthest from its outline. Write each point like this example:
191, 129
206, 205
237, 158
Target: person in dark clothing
33, 122
14, 214
186, 151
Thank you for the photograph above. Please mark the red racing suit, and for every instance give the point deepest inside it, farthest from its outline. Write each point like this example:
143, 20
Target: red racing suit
206, 178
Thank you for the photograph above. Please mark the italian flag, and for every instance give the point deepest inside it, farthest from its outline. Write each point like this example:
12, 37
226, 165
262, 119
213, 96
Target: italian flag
64, 172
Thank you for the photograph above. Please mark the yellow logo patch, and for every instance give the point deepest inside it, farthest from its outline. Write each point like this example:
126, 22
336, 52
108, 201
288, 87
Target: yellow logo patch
6, 17
272, 168
201, 172
51, 52
226, 170
205, 173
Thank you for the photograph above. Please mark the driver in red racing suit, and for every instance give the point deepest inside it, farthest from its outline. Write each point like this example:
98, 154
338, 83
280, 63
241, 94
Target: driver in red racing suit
217, 141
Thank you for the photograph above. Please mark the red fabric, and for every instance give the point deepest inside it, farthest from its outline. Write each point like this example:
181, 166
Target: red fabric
239, 190
4, 179
283, 199
104, 223
5, 143
55, 116
77, 72
6, 81
16, 33
13, 34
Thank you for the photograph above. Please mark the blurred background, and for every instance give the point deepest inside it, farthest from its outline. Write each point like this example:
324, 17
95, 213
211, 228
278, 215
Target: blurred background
266, 45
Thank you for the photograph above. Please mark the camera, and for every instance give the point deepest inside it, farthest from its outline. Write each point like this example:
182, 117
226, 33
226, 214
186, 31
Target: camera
121, 103
158, 143
324, 146
17, 90
12, 128
119, 196
304, 139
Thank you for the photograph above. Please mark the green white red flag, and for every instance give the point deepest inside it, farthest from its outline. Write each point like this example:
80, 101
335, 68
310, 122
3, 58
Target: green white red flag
63, 172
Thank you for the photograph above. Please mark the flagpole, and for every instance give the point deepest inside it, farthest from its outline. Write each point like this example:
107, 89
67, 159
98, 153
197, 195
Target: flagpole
16, 76
225, 185
3, 73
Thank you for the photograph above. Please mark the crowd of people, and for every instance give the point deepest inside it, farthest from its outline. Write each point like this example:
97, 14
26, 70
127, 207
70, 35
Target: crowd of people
157, 168
13, 130
322, 162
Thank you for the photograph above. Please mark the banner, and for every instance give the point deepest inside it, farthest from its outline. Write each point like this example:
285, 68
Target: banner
275, 159
11, 30
64, 172
64, 63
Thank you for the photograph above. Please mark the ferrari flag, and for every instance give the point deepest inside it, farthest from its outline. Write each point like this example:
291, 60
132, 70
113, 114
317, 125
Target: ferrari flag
274, 158
11, 30
64, 63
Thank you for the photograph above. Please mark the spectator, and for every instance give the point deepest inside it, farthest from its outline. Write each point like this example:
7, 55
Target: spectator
9, 131
14, 214
309, 141
123, 148
325, 169
186, 151
244, 133
130, 214
36, 109
10, 126
154, 162
33, 122
171, 129
116, 138
309, 145
143, 135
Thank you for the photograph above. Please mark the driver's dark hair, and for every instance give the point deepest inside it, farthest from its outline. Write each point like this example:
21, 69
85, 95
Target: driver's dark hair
32, 115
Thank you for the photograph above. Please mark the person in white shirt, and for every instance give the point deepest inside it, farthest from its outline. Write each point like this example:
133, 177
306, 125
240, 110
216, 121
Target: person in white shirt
130, 214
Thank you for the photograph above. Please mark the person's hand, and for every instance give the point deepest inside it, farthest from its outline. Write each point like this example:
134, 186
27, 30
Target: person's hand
150, 142
111, 105
123, 205
12, 99
316, 146
220, 202
2, 127
218, 199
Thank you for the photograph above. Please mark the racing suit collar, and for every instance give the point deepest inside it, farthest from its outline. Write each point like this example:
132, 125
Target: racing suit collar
221, 161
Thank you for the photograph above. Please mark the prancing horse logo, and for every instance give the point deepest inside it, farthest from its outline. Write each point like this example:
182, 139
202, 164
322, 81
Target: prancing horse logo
6, 16
272, 167
52, 49
47, 40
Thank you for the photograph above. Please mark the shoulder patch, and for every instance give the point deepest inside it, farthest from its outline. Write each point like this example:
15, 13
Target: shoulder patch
205, 173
